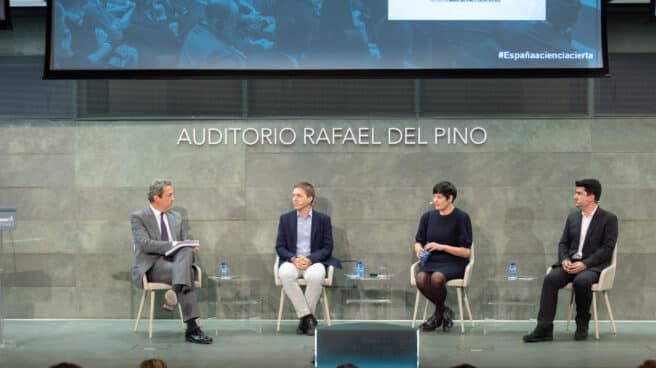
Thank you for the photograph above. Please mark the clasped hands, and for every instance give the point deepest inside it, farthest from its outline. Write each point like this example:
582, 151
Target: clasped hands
431, 247
302, 262
573, 267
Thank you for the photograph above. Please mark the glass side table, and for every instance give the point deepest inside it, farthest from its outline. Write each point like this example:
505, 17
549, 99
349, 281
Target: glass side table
370, 290
510, 300
238, 303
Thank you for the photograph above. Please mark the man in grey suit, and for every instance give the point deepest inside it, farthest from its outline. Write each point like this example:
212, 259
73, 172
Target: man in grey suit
155, 230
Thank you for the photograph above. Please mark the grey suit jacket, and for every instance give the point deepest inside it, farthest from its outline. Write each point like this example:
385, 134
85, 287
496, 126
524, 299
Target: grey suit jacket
148, 246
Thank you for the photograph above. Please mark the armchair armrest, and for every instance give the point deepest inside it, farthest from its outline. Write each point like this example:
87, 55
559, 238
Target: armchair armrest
607, 278
413, 272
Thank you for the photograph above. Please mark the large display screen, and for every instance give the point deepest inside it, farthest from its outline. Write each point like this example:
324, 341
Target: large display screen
309, 37
5, 22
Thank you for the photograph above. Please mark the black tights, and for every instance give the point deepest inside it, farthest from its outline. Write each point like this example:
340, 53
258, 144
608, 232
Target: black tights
433, 286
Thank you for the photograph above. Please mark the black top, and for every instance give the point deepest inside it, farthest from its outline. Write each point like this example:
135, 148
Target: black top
453, 229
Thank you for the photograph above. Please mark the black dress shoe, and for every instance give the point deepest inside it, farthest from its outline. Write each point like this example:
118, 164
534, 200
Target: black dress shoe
432, 323
311, 325
539, 335
302, 326
197, 336
581, 331
448, 319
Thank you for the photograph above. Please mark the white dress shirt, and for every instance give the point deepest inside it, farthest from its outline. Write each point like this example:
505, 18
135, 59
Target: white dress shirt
585, 224
158, 217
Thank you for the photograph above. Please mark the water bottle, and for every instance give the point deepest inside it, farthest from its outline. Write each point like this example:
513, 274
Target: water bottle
512, 271
360, 268
424, 256
224, 273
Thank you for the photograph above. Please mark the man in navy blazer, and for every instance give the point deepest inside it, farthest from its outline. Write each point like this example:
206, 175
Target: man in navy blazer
304, 245
585, 249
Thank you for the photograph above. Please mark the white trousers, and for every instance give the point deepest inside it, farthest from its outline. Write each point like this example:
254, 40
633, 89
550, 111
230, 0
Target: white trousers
313, 275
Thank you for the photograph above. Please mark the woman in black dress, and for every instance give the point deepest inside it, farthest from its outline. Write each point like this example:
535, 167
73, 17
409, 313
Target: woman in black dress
446, 233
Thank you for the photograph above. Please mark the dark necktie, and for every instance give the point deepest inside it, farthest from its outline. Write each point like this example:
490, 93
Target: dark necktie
165, 234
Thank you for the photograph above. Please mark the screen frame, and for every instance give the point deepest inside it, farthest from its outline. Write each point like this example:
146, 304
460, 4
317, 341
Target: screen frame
652, 10
50, 73
6, 23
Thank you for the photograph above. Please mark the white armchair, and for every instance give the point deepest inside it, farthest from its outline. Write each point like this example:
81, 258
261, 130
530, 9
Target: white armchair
461, 286
154, 286
327, 282
605, 283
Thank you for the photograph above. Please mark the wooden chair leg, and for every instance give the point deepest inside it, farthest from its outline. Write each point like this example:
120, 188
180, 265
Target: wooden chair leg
180, 311
462, 318
152, 313
610, 312
141, 305
464, 291
414, 313
596, 317
326, 308
282, 304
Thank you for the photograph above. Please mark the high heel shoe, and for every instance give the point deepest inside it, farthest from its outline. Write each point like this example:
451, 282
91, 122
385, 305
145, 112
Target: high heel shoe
432, 323
448, 319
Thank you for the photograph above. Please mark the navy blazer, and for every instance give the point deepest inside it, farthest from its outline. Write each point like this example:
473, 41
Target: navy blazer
321, 239
599, 241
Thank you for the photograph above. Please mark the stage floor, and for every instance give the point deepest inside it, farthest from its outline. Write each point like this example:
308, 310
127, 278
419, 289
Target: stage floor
112, 343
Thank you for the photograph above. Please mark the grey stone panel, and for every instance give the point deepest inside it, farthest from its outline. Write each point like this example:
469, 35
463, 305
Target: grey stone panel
425, 169
42, 237
112, 302
188, 169
267, 203
54, 204
374, 203
353, 239
629, 203
41, 270
646, 170
103, 270
37, 171
510, 135
148, 138
322, 170
536, 135
261, 236
111, 237
623, 135
116, 204
110, 203
488, 203
349, 203
36, 138
211, 203
42, 302
636, 236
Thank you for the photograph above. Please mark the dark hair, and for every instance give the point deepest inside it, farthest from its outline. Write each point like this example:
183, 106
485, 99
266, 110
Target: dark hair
347, 365
153, 363
307, 188
446, 189
592, 186
65, 365
648, 364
